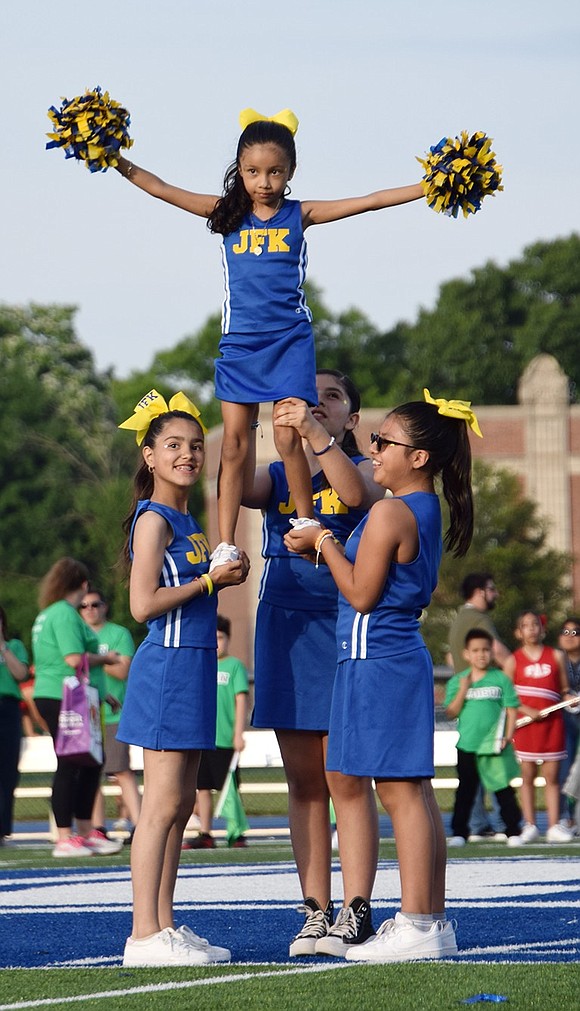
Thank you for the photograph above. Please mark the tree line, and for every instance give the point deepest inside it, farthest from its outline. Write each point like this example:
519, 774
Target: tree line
66, 472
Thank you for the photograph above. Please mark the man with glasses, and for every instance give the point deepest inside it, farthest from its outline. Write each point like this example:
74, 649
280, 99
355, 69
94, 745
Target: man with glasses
569, 643
479, 594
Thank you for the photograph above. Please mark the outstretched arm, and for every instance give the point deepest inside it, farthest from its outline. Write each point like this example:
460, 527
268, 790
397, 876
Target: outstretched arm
319, 212
201, 204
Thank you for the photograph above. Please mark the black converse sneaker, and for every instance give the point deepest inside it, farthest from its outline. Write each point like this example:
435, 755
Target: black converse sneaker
316, 925
353, 926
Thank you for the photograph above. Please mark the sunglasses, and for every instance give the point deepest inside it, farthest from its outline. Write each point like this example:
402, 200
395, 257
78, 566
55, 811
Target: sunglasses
380, 442
98, 604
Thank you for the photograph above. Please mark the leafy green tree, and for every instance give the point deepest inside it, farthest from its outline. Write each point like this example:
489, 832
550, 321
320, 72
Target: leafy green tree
482, 333
510, 541
57, 428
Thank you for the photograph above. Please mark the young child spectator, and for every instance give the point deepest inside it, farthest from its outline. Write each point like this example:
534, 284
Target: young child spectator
485, 703
539, 674
232, 712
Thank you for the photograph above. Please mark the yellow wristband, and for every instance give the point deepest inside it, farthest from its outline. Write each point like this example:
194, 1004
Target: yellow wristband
208, 582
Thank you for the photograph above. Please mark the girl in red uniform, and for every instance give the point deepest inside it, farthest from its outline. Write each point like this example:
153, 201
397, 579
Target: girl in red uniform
539, 674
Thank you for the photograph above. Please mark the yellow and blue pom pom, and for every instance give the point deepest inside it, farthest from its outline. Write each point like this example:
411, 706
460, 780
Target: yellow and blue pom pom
459, 173
92, 128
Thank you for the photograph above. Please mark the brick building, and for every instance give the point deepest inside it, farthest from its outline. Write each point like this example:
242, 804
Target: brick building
538, 439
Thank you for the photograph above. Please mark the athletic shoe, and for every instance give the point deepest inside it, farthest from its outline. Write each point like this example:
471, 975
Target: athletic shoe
98, 843
447, 937
238, 844
164, 948
559, 834
74, 846
483, 835
316, 925
122, 825
194, 824
215, 953
222, 554
203, 841
456, 840
488, 835
529, 833
399, 940
515, 840
304, 521
353, 926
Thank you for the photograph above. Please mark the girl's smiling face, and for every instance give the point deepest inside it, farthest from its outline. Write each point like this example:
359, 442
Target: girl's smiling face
265, 171
178, 454
396, 462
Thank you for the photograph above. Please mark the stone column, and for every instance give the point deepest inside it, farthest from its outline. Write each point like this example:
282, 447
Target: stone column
544, 393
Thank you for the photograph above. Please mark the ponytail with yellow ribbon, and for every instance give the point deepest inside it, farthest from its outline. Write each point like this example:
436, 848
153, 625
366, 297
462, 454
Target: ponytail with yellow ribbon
154, 404
460, 409
284, 118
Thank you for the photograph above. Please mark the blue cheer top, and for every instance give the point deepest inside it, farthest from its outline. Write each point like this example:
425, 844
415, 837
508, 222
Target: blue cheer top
186, 557
288, 580
392, 627
264, 269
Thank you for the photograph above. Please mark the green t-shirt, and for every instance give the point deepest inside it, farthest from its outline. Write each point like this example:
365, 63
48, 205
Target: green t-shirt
482, 718
57, 632
232, 679
114, 638
8, 686
467, 617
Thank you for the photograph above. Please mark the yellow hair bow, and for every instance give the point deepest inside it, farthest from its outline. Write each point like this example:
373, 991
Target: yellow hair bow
285, 118
152, 405
455, 409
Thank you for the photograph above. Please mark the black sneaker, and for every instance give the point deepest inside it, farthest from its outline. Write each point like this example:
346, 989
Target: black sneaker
353, 926
316, 925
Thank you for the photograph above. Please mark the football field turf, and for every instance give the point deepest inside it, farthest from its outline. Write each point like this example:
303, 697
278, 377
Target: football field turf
62, 931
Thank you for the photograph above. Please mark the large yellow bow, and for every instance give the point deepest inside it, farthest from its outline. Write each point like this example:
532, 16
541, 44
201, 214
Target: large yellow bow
285, 118
455, 409
152, 405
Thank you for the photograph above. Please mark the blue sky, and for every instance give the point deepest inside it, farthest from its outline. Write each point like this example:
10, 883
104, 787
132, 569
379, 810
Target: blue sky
373, 82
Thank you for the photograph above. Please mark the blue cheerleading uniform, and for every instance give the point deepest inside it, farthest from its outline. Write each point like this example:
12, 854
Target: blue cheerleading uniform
295, 646
171, 690
267, 343
382, 718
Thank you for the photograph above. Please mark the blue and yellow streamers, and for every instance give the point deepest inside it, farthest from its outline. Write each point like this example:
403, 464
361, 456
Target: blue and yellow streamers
92, 128
459, 173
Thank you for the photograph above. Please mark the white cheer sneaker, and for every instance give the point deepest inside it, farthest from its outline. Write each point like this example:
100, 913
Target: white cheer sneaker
215, 953
166, 947
399, 940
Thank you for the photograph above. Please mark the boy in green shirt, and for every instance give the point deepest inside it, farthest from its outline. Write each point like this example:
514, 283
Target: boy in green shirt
486, 704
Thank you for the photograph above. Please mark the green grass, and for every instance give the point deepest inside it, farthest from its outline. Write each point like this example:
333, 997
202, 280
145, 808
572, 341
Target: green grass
420, 987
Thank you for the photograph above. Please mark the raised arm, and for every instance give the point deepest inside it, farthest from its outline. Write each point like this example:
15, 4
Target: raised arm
319, 212
353, 483
201, 204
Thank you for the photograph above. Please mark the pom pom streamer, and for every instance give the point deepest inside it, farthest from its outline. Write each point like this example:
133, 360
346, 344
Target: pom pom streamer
92, 128
459, 173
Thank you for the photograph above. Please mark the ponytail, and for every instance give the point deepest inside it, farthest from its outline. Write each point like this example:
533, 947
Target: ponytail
445, 439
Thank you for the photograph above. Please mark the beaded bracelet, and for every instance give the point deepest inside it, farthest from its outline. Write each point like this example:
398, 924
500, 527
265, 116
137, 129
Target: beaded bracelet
208, 582
320, 541
326, 448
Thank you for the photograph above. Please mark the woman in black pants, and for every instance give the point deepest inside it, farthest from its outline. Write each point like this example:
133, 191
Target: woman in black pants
60, 637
